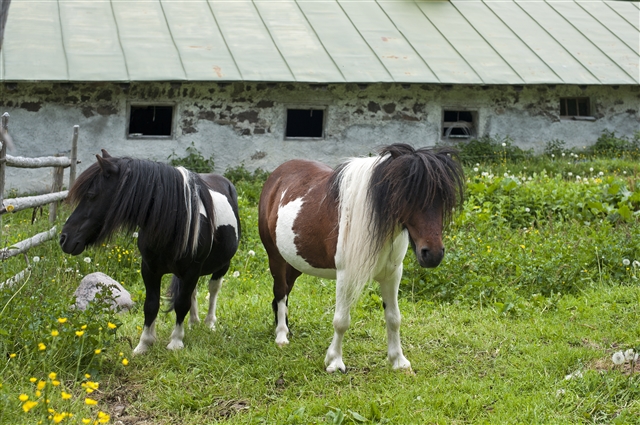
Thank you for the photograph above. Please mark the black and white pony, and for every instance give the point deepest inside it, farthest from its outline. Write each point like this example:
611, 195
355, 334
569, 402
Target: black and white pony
187, 225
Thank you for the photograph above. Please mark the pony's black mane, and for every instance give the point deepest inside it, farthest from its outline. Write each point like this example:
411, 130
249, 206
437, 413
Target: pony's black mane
405, 180
149, 195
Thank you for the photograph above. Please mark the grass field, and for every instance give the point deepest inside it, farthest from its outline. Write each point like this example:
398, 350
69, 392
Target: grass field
518, 325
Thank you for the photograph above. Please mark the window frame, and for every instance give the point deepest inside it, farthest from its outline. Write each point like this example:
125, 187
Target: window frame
578, 117
170, 136
323, 108
473, 127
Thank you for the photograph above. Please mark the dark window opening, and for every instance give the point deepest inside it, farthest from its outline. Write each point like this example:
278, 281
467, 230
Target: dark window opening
305, 123
575, 107
458, 125
150, 120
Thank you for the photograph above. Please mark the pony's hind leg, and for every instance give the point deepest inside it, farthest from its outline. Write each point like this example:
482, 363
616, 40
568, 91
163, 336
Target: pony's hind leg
214, 289
284, 277
194, 319
151, 308
389, 290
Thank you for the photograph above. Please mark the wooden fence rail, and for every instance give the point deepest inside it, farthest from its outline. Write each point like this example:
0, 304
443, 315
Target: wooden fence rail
16, 204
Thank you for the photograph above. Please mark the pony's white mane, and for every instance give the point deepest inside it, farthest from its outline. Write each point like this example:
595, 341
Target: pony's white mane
188, 199
356, 255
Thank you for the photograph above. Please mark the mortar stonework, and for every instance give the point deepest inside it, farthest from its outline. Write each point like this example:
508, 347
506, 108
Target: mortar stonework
244, 123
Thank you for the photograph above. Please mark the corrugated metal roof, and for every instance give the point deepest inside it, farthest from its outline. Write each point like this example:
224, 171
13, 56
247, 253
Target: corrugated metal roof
329, 41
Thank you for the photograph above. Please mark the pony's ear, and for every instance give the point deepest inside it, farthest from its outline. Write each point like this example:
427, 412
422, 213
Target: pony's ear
105, 154
107, 167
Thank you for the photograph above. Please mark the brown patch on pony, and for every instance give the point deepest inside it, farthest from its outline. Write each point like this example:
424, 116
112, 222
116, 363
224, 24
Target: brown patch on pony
308, 180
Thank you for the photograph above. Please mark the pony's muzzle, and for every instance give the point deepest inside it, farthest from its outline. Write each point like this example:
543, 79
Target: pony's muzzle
69, 247
430, 257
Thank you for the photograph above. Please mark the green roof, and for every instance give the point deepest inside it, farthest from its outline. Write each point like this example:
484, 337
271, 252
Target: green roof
329, 41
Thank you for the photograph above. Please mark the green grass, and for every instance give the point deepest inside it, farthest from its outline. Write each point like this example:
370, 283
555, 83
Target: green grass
491, 334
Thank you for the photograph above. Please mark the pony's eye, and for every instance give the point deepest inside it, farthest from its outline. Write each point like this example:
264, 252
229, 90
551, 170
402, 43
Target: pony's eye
91, 195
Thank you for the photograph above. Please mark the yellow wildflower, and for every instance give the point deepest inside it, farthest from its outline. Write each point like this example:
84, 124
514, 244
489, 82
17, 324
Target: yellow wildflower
58, 417
55, 383
55, 333
86, 421
79, 333
62, 320
41, 385
90, 401
53, 375
23, 397
65, 396
86, 375
41, 346
29, 405
38, 393
111, 325
125, 362
10, 208
83, 327
98, 351
12, 355
32, 380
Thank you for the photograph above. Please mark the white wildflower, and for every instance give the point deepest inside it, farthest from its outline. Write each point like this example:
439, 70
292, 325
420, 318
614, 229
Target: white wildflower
527, 209
135, 234
629, 354
475, 169
591, 169
626, 262
570, 174
477, 164
575, 375
504, 145
506, 174
252, 253
36, 259
636, 263
560, 392
601, 173
618, 358
553, 156
87, 260
236, 274
563, 153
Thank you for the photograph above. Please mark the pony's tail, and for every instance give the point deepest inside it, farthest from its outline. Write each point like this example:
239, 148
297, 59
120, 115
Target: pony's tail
173, 292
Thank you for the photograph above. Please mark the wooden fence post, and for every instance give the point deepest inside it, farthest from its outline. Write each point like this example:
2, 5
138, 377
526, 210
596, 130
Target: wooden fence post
74, 156
3, 160
56, 186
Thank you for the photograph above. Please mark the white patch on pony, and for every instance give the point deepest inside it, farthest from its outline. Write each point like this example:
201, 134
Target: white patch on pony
285, 240
147, 339
214, 289
281, 329
224, 215
177, 336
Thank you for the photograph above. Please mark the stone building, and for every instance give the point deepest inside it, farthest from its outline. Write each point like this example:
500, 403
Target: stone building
257, 83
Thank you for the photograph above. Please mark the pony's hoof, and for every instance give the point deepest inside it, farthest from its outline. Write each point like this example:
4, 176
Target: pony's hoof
282, 342
140, 349
336, 365
401, 364
211, 323
175, 345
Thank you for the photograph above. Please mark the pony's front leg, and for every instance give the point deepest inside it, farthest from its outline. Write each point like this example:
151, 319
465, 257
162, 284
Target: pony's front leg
151, 308
389, 289
341, 320
214, 289
182, 305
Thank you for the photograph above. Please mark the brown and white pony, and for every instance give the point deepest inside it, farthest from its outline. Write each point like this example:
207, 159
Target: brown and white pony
354, 224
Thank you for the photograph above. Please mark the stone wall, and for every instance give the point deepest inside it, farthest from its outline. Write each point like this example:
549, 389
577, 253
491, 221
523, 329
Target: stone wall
244, 123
